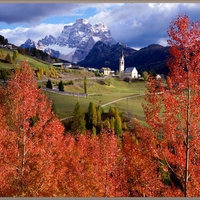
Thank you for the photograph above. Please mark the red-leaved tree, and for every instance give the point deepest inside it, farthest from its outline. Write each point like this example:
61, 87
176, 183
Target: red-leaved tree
30, 138
173, 114
143, 172
93, 167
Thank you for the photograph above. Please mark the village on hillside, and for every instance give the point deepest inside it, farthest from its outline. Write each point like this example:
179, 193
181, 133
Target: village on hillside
126, 74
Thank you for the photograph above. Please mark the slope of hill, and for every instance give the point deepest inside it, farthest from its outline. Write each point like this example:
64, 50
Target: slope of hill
149, 58
103, 55
33, 61
36, 53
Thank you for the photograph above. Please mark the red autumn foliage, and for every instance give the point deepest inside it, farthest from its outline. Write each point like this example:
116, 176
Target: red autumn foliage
173, 115
30, 137
36, 159
94, 167
142, 167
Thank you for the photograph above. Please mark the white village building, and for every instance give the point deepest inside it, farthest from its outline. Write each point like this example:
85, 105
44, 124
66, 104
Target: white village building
129, 72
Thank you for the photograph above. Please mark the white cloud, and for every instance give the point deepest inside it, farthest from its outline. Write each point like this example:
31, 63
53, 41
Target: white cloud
100, 6
19, 35
135, 24
163, 41
141, 24
100, 17
155, 5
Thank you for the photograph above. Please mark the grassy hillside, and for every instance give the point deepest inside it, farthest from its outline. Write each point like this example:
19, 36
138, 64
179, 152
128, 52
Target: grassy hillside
100, 91
35, 63
101, 94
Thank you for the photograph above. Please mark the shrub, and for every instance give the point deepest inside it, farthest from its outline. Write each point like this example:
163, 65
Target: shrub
8, 58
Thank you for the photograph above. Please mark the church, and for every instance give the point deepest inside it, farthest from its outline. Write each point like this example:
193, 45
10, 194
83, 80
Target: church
130, 72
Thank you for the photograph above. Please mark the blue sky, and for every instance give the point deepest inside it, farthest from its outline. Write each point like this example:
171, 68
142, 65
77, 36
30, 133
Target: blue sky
135, 24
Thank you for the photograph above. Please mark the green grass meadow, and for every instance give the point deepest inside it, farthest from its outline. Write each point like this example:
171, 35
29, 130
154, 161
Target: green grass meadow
99, 91
35, 63
100, 95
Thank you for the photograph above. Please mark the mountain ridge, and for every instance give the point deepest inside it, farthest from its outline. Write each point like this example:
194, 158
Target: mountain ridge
92, 46
150, 58
74, 42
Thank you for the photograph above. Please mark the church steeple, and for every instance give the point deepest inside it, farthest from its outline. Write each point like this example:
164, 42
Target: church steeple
121, 64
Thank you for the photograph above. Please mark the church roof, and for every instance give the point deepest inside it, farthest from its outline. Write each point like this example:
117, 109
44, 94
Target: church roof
129, 69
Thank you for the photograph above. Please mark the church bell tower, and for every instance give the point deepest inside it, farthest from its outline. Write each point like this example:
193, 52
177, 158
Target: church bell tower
121, 65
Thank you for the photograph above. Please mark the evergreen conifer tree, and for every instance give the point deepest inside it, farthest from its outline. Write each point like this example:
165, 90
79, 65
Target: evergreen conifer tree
49, 84
4, 75
107, 124
61, 86
85, 85
112, 123
111, 112
118, 125
78, 124
116, 113
92, 115
99, 121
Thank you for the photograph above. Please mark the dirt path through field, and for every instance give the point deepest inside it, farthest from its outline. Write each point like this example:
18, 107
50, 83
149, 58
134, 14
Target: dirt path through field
111, 102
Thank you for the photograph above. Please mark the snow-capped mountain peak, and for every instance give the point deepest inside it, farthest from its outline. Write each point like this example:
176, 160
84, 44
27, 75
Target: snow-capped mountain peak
29, 44
75, 40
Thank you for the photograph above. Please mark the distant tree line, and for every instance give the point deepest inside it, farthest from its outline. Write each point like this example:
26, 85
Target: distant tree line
3, 40
39, 54
61, 85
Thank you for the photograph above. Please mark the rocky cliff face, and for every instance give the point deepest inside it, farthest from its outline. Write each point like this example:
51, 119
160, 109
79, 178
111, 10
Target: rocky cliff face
48, 40
74, 42
29, 44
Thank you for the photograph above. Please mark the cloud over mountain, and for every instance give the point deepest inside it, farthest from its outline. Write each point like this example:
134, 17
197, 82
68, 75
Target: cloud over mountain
74, 42
135, 24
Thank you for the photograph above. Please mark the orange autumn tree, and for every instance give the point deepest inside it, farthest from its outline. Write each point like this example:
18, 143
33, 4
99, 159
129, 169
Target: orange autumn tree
93, 166
173, 115
30, 138
141, 167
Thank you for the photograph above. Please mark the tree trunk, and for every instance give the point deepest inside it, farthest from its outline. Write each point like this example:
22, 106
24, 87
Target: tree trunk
187, 137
